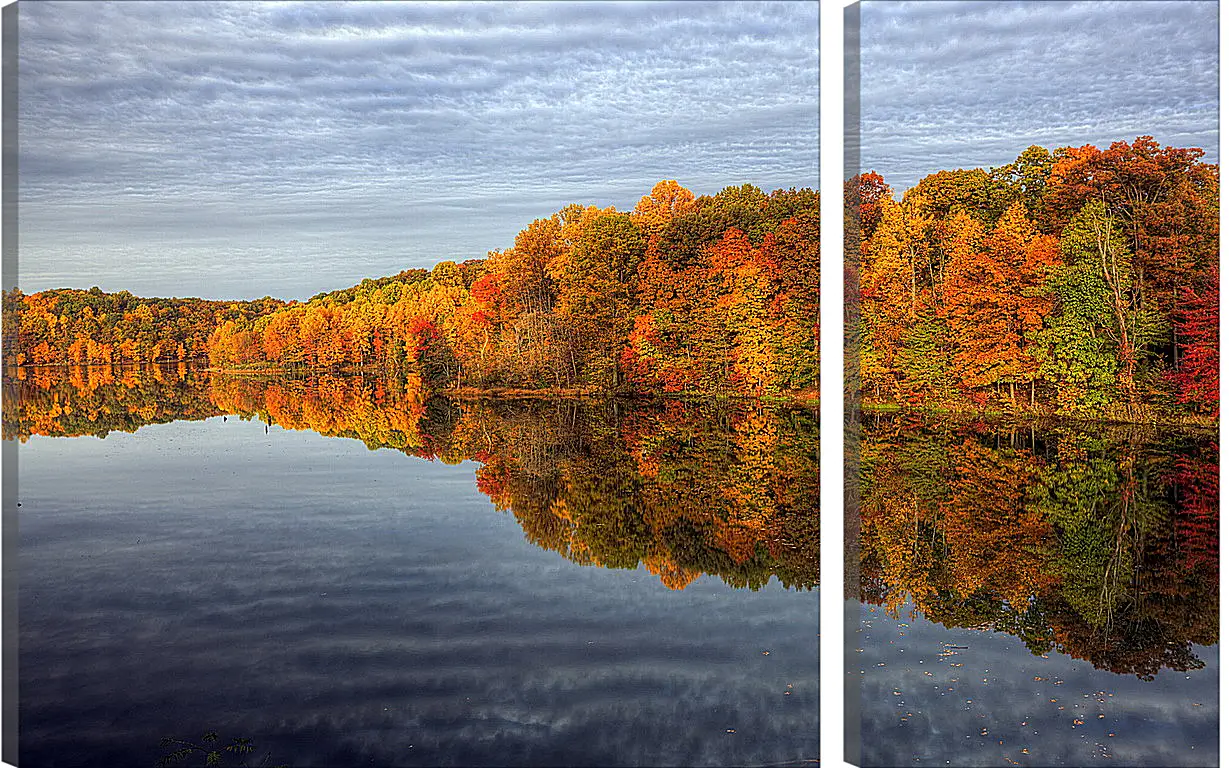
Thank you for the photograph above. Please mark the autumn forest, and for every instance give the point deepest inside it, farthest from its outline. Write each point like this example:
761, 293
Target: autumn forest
690, 295
1078, 282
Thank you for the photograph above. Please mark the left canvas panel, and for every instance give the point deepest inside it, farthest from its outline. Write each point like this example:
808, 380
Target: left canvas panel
550, 271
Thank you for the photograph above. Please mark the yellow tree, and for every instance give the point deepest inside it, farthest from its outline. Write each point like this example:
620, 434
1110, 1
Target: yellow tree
884, 283
667, 201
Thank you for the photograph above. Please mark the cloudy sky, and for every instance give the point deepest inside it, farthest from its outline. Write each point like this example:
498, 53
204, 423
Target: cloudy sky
238, 150
971, 84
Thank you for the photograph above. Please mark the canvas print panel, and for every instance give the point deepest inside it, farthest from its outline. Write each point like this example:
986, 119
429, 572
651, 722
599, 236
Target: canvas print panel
1035, 369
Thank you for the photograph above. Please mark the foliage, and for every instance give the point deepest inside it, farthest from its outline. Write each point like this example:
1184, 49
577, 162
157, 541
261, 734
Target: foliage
1080, 281
704, 295
92, 327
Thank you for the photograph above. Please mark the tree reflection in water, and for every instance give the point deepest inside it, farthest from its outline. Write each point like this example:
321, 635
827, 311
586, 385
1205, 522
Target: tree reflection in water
683, 489
1095, 541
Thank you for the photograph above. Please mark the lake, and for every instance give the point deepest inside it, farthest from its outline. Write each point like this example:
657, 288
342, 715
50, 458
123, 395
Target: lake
1034, 594
348, 573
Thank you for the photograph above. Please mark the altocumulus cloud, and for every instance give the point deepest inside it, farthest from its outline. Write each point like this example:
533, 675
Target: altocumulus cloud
971, 84
237, 150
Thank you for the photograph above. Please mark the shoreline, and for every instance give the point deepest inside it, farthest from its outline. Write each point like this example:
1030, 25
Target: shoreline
1158, 421
805, 398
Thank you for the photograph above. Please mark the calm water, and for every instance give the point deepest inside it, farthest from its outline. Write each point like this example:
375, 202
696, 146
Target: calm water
1036, 596
501, 584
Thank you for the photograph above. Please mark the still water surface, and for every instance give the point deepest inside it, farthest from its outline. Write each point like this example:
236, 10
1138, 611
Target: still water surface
580, 583
512, 584
1036, 596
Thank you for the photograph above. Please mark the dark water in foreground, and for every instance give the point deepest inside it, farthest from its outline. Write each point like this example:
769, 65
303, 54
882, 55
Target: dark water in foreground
1036, 596
436, 604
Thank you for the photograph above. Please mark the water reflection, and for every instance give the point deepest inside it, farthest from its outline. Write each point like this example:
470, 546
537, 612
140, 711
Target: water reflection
1097, 542
346, 607
682, 489
1039, 595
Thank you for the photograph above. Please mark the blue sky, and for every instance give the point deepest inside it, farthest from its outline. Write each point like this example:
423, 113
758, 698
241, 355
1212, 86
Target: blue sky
971, 84
237, 150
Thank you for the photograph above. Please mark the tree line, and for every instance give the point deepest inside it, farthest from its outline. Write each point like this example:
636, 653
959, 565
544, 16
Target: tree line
683, 294
78, 327
1081, 281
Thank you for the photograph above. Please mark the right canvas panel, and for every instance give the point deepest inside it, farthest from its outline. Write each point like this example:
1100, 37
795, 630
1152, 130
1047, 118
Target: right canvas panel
1032, 388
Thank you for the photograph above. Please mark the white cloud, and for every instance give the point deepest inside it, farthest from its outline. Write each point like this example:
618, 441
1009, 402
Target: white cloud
241, 149
971, 84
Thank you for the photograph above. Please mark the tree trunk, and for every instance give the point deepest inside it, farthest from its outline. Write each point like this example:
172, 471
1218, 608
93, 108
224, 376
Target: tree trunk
1174, 327
912, 287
